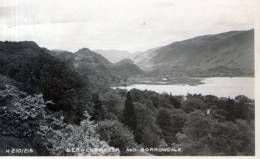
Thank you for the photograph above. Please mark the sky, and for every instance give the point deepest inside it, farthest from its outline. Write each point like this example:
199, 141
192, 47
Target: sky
133, 25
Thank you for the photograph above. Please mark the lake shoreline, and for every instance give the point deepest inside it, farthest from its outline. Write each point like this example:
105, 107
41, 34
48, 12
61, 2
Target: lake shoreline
186, 80
218, 86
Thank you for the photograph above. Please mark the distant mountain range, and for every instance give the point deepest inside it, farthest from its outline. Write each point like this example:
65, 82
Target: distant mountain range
114, 55
126, 68
225, 54
17, 59
97, 68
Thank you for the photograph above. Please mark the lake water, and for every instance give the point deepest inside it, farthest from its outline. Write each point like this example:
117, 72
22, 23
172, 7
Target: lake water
218, 86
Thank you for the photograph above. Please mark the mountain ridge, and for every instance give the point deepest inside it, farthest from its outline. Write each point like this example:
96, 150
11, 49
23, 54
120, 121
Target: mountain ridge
234, 50
126, 68
114, 55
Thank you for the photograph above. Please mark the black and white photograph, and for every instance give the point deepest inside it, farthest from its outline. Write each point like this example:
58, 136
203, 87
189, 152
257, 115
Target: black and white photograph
127, 78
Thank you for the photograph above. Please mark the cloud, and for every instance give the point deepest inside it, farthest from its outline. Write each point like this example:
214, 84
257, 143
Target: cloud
115, 24
4, 11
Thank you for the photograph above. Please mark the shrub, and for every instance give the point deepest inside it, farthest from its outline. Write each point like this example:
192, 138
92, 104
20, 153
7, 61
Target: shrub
83, 138
25, 117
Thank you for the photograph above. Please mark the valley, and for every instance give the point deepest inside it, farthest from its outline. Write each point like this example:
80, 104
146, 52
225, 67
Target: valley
166, 96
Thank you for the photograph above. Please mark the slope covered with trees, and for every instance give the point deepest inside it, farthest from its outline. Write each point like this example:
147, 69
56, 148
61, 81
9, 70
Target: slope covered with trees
97, 69
37, 71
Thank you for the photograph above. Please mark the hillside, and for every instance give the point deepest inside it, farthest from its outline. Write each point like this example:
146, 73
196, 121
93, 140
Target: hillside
96, 68
126, 68
48, 101
90, 65
114, 55
87, 59
35, 70
225, 54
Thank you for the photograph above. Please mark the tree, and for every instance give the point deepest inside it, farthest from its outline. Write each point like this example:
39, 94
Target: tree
178, 119
82, 138
21, 115
246, 136
25, 119
171, 122
232, 138
164, 122
198, 125
242, 99
116, 134
114, 103
65, 88
211, 100
237, 109
99, 112
147, 131
129, 113
195, 140
20, 112
193, 103
38, 72
175, 101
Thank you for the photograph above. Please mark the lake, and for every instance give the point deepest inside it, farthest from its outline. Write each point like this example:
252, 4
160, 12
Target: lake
218, 86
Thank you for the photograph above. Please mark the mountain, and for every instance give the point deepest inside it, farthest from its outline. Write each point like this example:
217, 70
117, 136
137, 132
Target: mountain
124, 61
225, 54
19, 59
114, 55
96, 68
35, 70
126, 68
85, 56
90, 65
63, 55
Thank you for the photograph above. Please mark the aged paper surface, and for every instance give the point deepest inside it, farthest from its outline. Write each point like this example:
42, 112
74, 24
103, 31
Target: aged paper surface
129, 78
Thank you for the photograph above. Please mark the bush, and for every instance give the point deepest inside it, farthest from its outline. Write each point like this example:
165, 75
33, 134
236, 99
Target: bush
82, 138
20, 112
25, 118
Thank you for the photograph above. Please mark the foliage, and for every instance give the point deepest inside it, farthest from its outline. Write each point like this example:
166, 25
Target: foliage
114, 103
83, 138
130, 113
203, 135
19, 111
37, 71
193, 103
164, 122
116, 134
171, 122
195, 123
25, 117
233, 138
50, 115
147, 131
